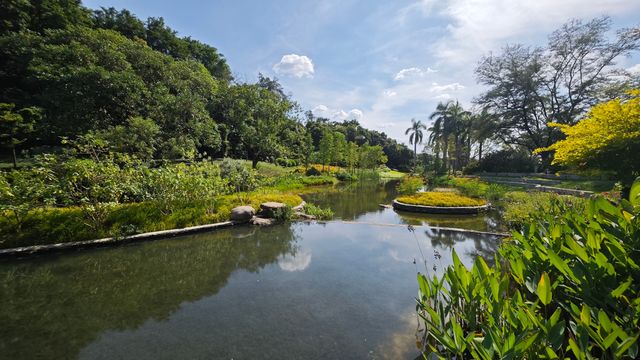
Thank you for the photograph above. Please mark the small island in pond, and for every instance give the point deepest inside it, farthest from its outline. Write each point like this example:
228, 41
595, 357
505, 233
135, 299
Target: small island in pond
440, 203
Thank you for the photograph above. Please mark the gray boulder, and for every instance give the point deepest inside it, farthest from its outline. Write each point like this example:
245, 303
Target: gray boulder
269, 209
262, 221
242, 213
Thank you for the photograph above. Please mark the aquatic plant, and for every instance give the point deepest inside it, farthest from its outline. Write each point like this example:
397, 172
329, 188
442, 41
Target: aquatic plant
566, 286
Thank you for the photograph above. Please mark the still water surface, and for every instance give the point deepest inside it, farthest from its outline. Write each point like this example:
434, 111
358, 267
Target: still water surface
341, 289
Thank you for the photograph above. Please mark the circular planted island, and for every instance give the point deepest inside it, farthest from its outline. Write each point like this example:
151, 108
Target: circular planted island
440, 203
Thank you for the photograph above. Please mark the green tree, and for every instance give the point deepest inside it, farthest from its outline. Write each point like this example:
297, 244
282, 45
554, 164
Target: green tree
416, 135
338, 148
325, 147
257, 118
531, 87
15, 126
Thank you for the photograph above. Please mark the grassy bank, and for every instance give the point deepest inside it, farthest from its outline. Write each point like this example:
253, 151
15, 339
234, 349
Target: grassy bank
63, 200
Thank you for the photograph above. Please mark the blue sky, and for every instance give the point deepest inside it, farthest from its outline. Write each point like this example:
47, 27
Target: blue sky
382, 62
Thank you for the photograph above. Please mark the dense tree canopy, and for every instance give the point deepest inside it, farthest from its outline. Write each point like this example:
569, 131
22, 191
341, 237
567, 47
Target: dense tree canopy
137, 87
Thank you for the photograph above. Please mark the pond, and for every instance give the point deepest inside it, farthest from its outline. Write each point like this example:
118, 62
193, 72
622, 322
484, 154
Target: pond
341, 289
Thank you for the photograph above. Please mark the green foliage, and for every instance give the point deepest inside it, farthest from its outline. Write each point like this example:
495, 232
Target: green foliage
477, 188
566, 286
346, 176
507, 161
318, 212
237, 175
312, 171
520, 208
410, 184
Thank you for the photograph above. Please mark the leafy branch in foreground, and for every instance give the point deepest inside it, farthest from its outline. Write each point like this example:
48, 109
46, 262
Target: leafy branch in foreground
567, 285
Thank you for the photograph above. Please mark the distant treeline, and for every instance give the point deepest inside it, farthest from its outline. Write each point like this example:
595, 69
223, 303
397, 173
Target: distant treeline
106, 78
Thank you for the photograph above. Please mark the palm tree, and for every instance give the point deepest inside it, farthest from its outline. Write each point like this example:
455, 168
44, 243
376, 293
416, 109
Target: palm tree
416, 135
458, 118
441, 129
483, 128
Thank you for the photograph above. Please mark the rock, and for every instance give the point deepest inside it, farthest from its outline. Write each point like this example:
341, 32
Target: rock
242, 213
262, 221
269, 209
384, 206
299, 207
305, 216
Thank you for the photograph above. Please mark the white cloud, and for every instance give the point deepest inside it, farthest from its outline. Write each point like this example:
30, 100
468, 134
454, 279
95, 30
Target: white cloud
353, 114
337, 114
295, 65
635, 69
389, 93
321, 111
478, 26
413, 72
448, 87
442, 97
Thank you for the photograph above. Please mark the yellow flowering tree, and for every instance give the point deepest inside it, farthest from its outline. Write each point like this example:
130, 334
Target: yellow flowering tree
608, 138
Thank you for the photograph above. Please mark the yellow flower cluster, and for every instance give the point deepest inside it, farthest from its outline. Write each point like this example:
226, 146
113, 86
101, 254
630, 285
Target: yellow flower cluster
607, 126
444, 199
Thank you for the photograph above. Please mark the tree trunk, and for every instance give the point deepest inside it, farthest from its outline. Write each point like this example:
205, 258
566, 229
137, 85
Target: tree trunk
444, 155
254, 163
480, 151
15, 158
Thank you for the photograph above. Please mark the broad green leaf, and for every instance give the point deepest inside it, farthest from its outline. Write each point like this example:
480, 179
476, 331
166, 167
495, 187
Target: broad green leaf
544, 289
634, 194
622, 288
585, 315
625, 345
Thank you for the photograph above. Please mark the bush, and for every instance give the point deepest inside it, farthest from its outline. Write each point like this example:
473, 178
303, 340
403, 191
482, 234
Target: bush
472, 167
318, 212
507, 161
286, 162
239, 176
566, 286
444, 199
410, 184
345, 176
521, 207
312, 171
477, 188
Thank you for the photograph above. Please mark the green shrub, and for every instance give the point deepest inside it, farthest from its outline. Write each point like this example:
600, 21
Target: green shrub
566, 286
410, 184
239, 176
318, 212
346, 176
313, 171
519, 207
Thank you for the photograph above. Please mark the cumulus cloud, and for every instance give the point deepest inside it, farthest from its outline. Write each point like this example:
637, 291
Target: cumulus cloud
337, 114
448, 87
353, 114
413, 72
635, 69
474, 28
295, 65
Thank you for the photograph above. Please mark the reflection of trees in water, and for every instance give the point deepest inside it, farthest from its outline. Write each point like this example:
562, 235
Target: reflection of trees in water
355, 199
52, 307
